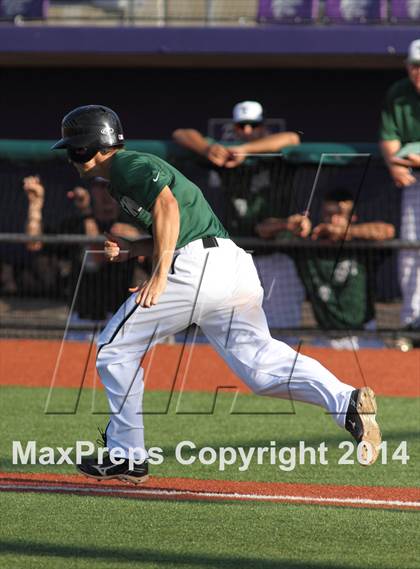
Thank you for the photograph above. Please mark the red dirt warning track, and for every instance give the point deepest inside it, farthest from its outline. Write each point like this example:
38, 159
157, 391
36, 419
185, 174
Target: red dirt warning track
32, 363
217, 490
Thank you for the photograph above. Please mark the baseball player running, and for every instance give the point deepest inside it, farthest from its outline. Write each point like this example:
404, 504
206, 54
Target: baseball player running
199, 276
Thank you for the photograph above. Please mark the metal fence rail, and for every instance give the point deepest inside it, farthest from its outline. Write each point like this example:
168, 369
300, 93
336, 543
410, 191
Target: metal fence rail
248, 243
70, 271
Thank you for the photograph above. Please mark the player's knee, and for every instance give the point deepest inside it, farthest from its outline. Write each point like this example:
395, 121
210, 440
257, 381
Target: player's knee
100, 365
121, 377
106, 356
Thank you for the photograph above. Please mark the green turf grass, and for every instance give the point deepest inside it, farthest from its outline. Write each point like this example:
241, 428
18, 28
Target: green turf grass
59, 531
22, 418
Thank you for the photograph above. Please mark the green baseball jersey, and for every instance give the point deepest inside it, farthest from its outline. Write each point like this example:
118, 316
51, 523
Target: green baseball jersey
138, 178
401, 113
341, 293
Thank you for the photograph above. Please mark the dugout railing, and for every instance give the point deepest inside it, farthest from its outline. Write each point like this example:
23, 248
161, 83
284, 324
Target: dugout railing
54, 306
286, 183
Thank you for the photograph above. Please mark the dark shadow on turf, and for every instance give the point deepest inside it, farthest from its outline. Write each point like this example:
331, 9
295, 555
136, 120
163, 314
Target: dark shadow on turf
120, 556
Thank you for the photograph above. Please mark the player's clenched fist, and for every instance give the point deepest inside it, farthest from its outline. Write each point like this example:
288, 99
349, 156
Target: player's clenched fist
218, 154
116, 249
34, 190
299, 225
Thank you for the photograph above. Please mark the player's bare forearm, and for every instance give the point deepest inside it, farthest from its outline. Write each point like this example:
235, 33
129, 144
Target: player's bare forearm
165, 214
399, 168
300, 225
272, 142
191, 139
215, 153
165, 231
35, 193
389, 148
270, 227
375, 231
34, 226
90, 227
34, 220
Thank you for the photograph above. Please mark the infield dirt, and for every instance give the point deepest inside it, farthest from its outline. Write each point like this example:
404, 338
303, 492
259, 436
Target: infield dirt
32, 363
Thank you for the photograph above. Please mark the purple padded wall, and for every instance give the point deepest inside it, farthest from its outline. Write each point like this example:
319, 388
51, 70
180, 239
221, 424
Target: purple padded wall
355, 11
287, 11
405, 11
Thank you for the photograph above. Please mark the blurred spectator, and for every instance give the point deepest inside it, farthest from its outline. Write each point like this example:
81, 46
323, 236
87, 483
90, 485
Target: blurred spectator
43, 273
103, 286
400, 144
250, 198
251, 133
248, 189
339, 285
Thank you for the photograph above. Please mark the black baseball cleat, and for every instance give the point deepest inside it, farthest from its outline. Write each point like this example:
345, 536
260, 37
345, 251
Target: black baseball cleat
361, 423
109, 471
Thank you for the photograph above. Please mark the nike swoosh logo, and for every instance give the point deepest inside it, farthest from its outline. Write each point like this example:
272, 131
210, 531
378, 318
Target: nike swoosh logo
157, 178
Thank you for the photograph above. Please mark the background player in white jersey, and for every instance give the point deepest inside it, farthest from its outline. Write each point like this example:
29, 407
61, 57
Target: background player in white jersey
400, 144
251, 196
199, 276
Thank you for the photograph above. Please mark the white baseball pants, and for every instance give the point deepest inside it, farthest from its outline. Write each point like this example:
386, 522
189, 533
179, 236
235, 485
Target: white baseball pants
409, 260
219, 290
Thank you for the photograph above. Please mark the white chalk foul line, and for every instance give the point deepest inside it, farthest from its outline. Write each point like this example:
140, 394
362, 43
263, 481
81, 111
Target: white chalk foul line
201, 494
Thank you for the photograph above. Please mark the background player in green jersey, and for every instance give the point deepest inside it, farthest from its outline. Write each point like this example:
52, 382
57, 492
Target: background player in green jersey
340, 289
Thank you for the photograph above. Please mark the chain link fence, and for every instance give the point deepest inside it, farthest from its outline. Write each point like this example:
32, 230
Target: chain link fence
60, 280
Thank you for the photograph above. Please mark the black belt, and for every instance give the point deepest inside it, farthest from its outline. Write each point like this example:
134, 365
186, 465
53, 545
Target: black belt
209, 242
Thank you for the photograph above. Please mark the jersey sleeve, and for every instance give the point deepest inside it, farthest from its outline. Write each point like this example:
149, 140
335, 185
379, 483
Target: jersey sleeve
389, 127
152, 178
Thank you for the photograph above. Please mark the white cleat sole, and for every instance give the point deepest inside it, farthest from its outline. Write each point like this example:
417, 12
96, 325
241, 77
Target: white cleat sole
369, 446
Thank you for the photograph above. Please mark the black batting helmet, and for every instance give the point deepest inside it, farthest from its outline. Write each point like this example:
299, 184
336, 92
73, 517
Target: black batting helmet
92, 127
